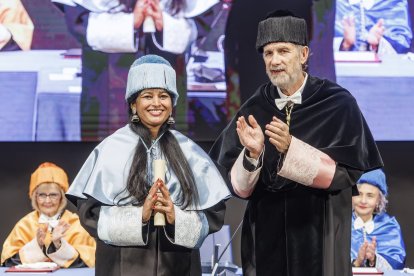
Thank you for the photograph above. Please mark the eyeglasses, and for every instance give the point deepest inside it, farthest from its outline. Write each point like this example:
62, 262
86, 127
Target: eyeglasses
52, 196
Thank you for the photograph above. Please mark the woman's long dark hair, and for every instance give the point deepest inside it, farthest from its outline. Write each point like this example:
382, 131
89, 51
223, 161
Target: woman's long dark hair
138, 185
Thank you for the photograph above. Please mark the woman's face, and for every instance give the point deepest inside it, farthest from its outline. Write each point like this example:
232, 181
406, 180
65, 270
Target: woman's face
48, 198
367, 201
153, 106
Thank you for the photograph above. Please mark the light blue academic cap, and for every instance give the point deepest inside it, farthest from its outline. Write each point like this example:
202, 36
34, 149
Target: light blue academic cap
151, 71
375, 178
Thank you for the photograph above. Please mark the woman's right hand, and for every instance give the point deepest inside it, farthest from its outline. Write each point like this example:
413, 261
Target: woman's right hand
41, 234
149, 203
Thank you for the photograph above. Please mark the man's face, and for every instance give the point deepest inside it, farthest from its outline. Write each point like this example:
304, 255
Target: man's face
283, 62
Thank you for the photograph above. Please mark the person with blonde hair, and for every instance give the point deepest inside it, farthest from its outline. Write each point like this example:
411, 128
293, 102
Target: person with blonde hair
49, 233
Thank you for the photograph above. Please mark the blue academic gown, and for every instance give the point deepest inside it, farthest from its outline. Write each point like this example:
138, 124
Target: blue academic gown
390, 244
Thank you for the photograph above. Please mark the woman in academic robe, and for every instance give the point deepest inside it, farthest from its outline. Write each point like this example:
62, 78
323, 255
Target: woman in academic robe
49, 233
376, 236
118, 191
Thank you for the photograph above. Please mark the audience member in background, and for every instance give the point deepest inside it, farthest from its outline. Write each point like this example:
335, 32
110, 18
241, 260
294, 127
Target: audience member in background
117, 197
376, 236
49, 233
16, 27
382, 26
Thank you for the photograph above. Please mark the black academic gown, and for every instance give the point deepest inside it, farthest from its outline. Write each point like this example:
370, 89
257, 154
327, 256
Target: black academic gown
159, 257
291, 229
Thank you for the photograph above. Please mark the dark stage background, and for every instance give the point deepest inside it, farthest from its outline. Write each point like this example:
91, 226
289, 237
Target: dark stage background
388, 111
18, 160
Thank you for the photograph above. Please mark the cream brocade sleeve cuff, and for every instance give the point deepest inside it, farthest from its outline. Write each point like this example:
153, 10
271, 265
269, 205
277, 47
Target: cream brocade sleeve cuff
190, 228
242, 180
32, 253
307, 165
121, 226
112, 32
65, 255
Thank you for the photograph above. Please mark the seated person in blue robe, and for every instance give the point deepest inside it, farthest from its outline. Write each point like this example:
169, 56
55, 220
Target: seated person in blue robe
376, 236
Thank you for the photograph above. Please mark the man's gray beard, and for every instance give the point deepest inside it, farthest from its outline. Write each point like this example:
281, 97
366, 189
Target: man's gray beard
278, 83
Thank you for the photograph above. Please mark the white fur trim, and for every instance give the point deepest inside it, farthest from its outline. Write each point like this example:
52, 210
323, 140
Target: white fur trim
99, 5
32, 253
112, 32
178, 33
194, 8
65, 255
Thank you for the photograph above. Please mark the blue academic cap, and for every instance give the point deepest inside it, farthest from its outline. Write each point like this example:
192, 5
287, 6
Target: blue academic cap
151, 71
375, 178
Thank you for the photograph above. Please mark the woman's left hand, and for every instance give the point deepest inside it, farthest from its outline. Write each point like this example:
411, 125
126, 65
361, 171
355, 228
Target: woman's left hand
58, 233
167, 206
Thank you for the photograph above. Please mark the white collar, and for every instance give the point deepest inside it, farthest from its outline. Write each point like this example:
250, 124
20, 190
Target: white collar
51, 221
367, 226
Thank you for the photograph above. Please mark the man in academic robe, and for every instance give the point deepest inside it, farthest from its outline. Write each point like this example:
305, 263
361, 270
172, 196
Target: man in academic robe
295, 150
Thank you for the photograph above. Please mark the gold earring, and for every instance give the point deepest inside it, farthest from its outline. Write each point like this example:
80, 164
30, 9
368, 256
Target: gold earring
171, 120
134, 118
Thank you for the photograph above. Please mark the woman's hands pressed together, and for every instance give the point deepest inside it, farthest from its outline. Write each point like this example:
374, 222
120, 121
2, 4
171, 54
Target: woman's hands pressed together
158, 200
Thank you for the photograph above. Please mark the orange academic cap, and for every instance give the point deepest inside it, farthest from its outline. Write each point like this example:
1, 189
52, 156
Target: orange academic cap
48, 173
